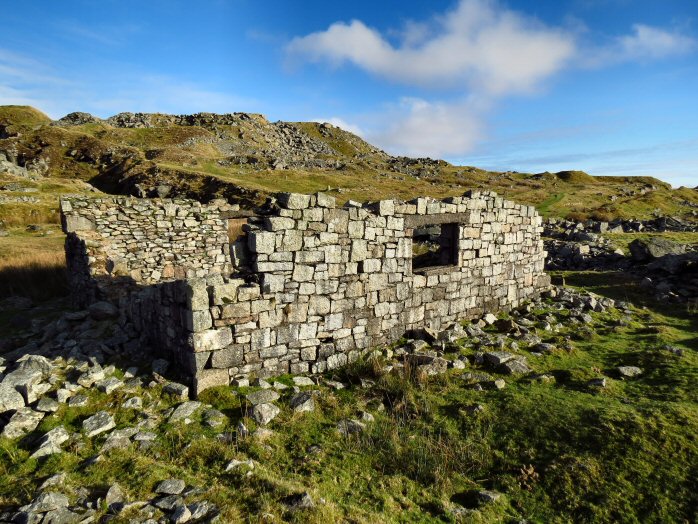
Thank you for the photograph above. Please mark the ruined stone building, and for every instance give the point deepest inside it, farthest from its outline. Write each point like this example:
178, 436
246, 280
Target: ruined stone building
304, 287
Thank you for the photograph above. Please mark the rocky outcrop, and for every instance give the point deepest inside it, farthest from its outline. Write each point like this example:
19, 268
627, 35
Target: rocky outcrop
644, 250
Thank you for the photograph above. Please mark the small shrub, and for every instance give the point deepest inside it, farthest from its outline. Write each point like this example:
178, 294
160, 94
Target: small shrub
577, 216
603, 215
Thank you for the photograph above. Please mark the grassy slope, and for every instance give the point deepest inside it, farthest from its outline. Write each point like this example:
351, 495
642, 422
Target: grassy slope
559, 452
188, 153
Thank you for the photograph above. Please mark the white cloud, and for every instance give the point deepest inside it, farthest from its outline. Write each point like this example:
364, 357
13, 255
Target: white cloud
340, 122
417, 127
478, 44
481, 50
644, 43
652, 42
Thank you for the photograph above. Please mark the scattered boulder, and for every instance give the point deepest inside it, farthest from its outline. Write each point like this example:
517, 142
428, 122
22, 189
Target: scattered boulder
303, 381
496, 358
489, 319
235, 464
597, 382
652, 248
47, 501
350, 427
488, 496
184, 411
108, 385
98, 423
264, 413
514, 367
103, 310
263, 396
50, 443
628, 371
214, 418
299, 501
170, 487
23, 421
303, 402
10, 398
177, 390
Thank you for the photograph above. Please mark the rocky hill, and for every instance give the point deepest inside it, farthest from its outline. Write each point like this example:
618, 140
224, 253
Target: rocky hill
243, 157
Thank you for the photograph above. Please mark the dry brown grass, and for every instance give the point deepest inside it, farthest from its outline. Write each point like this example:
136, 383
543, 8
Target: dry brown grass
235, 228
15, 215
39, 276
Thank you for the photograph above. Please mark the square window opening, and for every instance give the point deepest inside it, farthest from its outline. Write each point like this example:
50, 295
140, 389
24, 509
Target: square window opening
434, 245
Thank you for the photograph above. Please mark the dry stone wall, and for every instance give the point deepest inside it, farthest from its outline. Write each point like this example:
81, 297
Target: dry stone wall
310, 286
118, 243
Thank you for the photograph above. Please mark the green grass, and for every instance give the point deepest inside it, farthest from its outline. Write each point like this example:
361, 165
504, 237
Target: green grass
544, 207
559, 452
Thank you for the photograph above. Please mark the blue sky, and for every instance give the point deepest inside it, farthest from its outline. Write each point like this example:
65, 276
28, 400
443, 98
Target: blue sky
608, 86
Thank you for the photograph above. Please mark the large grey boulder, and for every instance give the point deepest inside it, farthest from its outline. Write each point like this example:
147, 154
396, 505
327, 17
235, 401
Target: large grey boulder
303, 402
22, 422
263, 396
645, 250
514, 367
103, 310
47, 501
170, 487
185, 410
264, 413
350, 427
10, 399
50, 443
98, 423
496, 358
25, 380
629, 371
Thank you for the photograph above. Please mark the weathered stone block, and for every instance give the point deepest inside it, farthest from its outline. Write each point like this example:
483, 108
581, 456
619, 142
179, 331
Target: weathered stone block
228, 357
197, 295
303, 273
279, 223
325, 200
236, 310
272, 283
73, 223
359, 250
225, 293
293, 200
209, 378
199, 321
211, 340
262, 242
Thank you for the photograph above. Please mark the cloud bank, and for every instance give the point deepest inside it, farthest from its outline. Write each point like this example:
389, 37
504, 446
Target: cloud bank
482, 52
479, 44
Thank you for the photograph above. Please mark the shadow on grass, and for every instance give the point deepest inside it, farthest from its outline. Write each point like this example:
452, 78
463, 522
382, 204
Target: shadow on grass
622, 286
38, 278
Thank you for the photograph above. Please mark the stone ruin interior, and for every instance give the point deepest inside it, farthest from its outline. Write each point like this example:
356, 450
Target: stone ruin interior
302, 286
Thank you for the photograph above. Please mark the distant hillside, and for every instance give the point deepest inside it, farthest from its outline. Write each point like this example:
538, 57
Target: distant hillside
243, 157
